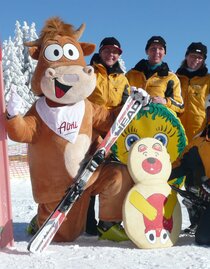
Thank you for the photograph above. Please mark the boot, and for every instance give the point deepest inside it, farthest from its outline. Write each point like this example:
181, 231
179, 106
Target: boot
32, 227
194, 216
191, 229
111, 231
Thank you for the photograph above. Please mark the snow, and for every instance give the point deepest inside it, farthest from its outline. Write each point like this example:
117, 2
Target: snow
89, 252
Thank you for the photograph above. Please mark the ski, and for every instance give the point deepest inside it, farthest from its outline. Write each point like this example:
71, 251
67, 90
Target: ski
47, 231
191, 199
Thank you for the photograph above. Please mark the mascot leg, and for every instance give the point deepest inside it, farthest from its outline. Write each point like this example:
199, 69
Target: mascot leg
74, 224
112, 185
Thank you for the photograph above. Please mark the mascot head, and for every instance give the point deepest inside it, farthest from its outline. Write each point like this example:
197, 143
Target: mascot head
61, 73
156, 122
149, 161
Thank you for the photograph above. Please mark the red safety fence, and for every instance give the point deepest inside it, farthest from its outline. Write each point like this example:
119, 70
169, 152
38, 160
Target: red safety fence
6, 228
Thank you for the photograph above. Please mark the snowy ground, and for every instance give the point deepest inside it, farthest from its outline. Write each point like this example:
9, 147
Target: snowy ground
89, 252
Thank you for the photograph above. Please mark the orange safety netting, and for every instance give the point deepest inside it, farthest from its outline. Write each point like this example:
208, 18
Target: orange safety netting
18, 161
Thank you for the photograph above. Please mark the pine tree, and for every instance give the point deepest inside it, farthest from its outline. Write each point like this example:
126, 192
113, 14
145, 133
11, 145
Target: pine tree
12, 69
18, 66
122, 64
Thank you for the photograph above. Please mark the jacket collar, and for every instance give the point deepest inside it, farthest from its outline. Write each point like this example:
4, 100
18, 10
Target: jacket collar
200, 72
115, 69
143, 66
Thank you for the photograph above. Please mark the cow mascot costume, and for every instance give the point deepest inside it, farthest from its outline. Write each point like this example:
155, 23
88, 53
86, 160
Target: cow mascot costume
58, 129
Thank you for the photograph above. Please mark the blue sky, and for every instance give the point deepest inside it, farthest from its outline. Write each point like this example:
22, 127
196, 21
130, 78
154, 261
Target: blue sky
132, 22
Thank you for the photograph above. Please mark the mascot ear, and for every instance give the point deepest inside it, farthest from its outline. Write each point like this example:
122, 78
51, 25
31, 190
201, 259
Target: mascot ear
87, 48
33, 49
34, 52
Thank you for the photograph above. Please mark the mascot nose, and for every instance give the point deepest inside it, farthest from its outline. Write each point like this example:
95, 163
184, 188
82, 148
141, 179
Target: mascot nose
88, 70
151, 160
50, 72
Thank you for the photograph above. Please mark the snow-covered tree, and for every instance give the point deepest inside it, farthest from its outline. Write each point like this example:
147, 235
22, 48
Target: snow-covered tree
18, 66
18, 42
12, 69
122, 64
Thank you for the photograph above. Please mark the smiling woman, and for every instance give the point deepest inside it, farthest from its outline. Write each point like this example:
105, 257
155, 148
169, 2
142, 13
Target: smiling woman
195, 82
154, 76
112, 88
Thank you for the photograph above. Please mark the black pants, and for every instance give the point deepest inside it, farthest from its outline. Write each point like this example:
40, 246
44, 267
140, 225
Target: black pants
202, 235
91, 224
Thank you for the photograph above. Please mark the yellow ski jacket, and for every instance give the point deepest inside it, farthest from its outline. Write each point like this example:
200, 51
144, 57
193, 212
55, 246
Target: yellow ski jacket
110, 87
159, 82
194, 92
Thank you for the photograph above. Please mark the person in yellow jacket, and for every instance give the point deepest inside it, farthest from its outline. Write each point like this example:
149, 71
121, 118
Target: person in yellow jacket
154, 76
194, 164
111, 83
195, 83
111, 91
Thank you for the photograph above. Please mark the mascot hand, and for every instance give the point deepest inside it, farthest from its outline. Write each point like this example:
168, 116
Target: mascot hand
15, 104
141, 95
204, 192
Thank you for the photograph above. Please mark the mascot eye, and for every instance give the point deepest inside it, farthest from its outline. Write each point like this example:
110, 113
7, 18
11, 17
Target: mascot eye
164, 236
130, 139
151, 236
70, 52
162, 138
53, 52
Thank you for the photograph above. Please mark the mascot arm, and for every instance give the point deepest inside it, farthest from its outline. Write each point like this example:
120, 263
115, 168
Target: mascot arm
23, 129
104, 118
168, 209
142, 205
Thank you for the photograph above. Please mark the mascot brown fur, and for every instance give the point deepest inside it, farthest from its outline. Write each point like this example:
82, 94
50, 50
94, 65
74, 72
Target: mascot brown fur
58, 129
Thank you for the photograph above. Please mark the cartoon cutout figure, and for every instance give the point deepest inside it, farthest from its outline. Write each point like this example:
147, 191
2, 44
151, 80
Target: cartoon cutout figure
155, 121
151, 211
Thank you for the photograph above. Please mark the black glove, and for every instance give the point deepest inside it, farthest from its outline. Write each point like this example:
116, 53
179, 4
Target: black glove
169, 90
204, 192
125, 95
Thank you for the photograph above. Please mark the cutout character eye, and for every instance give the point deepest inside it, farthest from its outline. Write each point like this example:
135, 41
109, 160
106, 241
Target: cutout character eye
151, 236
162, 138
157, 147
164, 236
130, 139
142, 147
